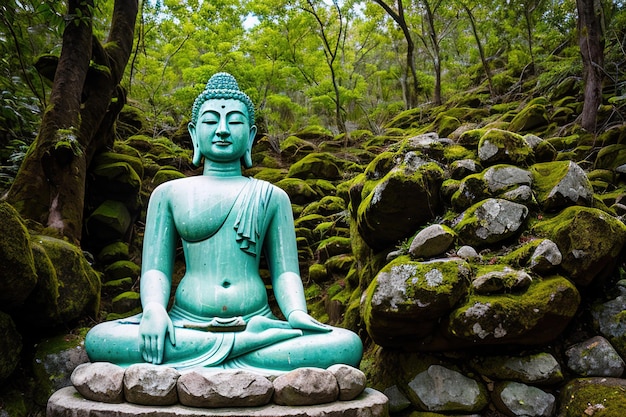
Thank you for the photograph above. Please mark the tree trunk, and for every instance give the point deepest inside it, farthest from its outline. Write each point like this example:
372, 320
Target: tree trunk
84, 103
411, 96
591, 41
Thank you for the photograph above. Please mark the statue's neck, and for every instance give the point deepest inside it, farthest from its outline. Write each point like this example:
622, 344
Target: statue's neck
222, 170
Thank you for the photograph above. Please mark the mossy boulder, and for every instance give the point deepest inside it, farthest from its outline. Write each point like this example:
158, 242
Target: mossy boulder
392, 208
272, 175
166, 174
490, 221
327, 206
107, 158
600, 397
560, 184
298, 190
110, 221
10, 346
315, 165
79, 283
54, 361
41, 308
332, 246
112, 252
610, 157
589, 239
533, 116
18, 276
536, 316
117, 179
501, 146
122, 269
405, 301
294, 148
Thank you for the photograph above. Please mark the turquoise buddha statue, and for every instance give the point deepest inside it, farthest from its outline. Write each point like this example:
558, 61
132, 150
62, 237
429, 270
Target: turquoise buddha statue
220, 316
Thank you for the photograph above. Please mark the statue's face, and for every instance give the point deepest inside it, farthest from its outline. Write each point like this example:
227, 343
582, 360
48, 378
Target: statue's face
223, 130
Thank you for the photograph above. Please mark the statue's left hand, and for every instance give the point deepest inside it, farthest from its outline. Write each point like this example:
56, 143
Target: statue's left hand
299, 319
155, 325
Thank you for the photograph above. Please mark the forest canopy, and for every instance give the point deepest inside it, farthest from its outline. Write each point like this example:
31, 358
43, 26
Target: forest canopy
345, 64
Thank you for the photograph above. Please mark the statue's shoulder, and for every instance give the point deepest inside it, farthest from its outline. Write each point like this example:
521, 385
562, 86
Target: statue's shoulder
269, 191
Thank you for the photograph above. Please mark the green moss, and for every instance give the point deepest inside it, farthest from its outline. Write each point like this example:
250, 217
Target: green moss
585, 395
457, 152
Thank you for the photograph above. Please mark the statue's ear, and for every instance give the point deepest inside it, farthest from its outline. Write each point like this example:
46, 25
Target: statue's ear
246, 160
197, 156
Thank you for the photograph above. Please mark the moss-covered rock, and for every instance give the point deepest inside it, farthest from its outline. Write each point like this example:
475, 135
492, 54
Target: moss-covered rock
126, 302
272, 175
294, 148
560, 184
610, 157
164, 175
490, 221
536, 316
298, 190
112, 252
117, 179
600, 397
110, 221
327, 206
107, 158
406, 299
589, 239
502, 146
122, 269
531, 117
10, 346
393, 207
315, 165
79, 283
54, 361
18, 276
332, 246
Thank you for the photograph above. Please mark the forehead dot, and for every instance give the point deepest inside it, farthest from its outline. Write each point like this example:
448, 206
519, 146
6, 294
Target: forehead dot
223, 106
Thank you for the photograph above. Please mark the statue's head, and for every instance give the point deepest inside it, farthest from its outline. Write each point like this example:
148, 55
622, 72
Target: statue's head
223, 86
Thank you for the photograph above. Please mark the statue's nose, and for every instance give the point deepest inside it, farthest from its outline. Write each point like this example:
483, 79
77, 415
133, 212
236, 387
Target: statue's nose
222, 130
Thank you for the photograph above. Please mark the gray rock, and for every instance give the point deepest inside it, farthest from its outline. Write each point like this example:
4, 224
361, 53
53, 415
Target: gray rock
608, 320
236, 388
149, 384
467, 252
505, 280
461, 168
441, 389
546, 257
562, 184
537, 315
541, 368
351, 381
55, 360
405, 301
397, 400
594, 357
523, 400
522, 195
502, 177
306, 386
490, 221
99, 381
432, 241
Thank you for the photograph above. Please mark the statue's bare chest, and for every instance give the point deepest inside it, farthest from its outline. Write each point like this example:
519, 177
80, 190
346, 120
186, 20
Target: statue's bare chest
201, 209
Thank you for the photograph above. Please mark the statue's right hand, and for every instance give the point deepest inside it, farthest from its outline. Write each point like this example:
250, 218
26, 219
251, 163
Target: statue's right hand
155, 324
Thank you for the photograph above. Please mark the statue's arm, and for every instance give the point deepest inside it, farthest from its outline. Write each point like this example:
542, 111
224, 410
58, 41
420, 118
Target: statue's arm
159, 245
281, 252
156, 279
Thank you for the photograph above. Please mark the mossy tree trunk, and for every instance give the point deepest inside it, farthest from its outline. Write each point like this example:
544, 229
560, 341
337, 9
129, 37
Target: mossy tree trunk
591, 41
84, 103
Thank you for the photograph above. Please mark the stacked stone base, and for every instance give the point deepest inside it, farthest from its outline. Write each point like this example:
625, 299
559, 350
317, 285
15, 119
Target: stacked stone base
67, 402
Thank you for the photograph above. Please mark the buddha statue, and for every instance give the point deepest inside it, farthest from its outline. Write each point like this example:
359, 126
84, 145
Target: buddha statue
220, 316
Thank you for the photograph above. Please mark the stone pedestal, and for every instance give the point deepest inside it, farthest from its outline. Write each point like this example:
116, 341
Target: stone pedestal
67, 402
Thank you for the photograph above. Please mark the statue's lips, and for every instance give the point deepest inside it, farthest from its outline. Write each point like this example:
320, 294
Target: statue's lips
222, 143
